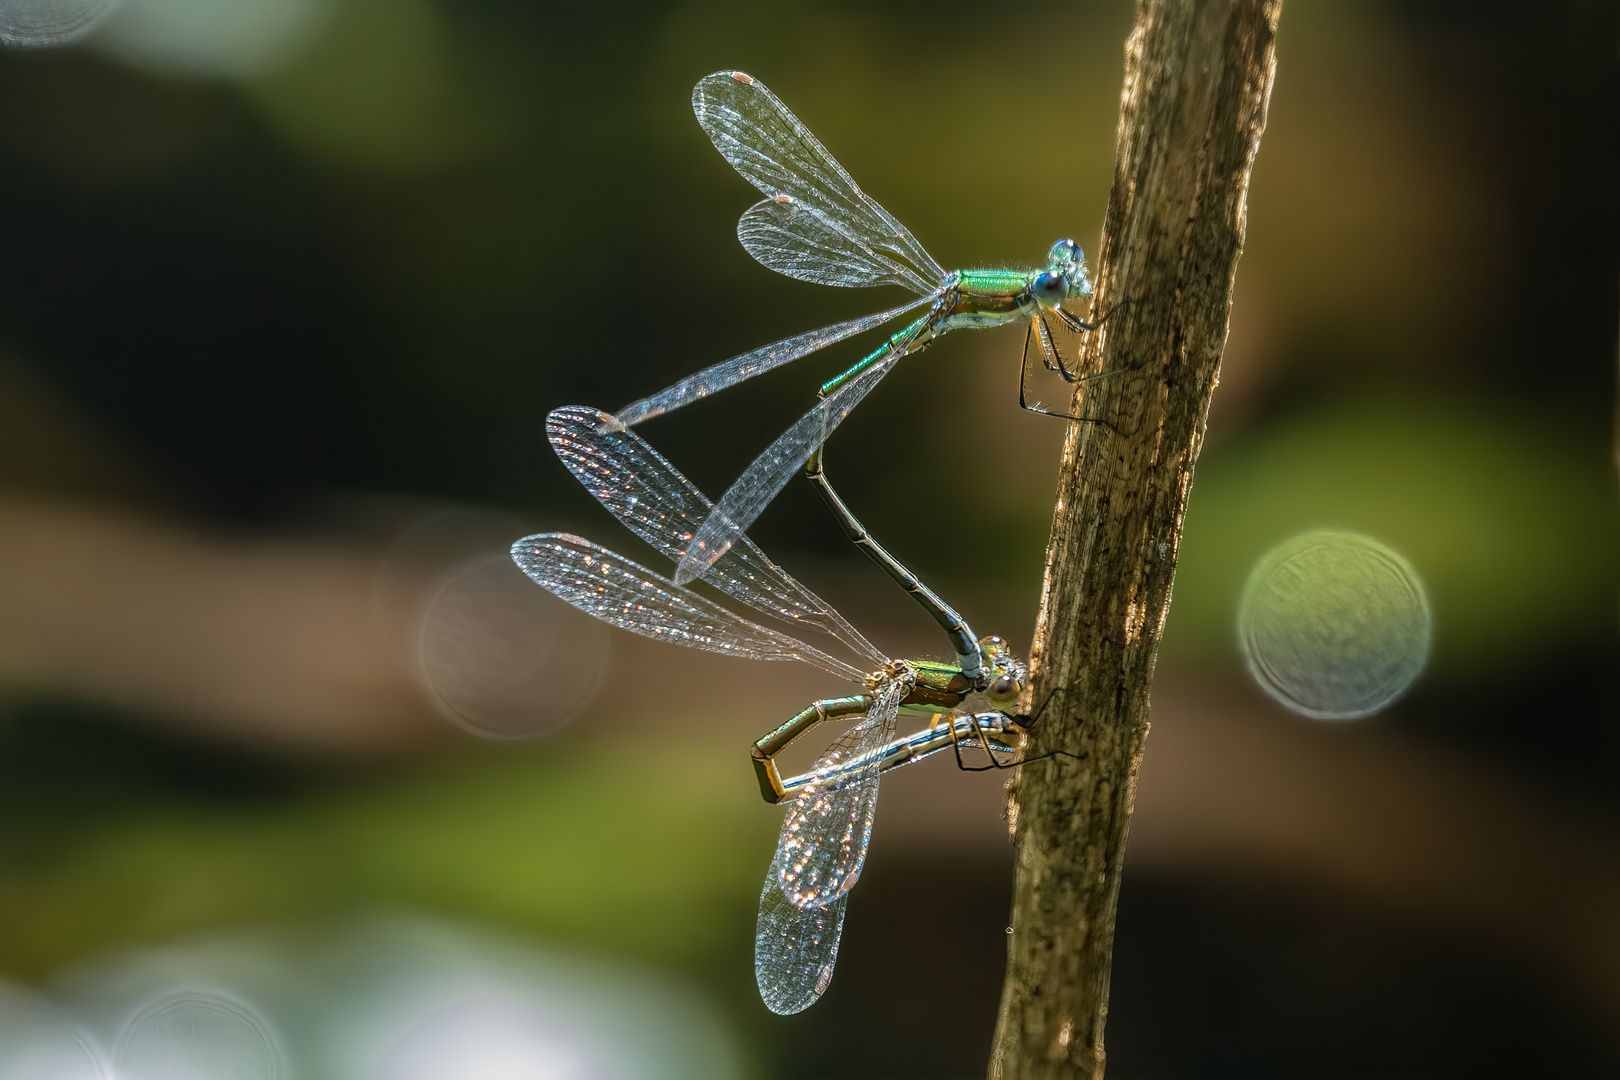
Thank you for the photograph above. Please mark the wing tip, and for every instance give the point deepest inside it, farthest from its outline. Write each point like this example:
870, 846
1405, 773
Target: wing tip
576, 416
530, 546
787, 1004
524, 548
721, 77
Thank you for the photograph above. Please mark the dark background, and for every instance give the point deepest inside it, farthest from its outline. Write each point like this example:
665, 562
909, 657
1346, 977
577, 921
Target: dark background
291, 309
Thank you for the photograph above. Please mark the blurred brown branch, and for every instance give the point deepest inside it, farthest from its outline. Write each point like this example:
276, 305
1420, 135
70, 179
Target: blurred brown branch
272, 643
1198, 78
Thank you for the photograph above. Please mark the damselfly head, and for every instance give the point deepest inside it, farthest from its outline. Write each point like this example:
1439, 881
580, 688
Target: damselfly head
1068, 262
1007, 672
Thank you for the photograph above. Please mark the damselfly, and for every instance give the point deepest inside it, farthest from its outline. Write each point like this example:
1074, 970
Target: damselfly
816, 224
829, 821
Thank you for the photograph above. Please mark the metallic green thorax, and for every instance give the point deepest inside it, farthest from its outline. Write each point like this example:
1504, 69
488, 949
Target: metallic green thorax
973, 298
940, 687
988, 285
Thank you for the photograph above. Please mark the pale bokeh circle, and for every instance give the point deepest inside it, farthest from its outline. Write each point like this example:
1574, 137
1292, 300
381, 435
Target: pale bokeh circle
1334, 624
199, 1035
502, 658
41, 1041
42, 23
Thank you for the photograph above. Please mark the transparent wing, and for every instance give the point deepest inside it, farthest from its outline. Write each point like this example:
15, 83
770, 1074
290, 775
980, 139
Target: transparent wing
770, 472
827, 829
819, 204
733, 371
633, 598
794, 947
664, 508
801, 242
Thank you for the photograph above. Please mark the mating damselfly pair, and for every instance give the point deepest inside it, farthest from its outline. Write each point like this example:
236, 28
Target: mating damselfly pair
817, 225
824, 837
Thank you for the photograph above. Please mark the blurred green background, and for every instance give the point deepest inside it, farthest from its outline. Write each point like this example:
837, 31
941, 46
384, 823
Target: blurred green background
275, 295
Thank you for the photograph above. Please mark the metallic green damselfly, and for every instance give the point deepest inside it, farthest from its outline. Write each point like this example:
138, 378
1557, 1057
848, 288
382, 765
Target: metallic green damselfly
828, 825
816, 224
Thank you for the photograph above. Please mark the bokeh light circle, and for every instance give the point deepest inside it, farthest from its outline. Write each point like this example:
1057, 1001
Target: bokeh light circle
39, 24
199, 1035
1334, 624
502, 658
41, 1041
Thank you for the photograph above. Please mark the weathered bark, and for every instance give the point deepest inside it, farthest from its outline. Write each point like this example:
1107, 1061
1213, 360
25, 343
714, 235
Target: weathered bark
1198, 76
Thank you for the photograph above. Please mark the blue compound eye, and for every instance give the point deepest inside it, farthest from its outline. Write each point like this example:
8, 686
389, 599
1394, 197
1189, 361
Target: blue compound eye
1050, 288
1065, 253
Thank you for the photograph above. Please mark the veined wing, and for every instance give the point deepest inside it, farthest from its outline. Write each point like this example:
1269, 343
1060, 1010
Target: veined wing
827, 829
633, 598
794, 947
802, 242
815, 200
730, 372
770, 472
664, 508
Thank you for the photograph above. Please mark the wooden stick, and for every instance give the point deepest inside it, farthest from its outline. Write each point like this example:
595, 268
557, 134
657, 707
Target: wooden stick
1198, 77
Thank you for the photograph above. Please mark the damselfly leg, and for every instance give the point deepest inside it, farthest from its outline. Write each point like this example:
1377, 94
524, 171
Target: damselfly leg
1021, 725
982, 741
1041, 338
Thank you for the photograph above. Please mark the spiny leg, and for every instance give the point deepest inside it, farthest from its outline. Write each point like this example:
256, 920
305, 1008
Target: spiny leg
1030, 723
1026, 724
1023, 380
765, 750
1077, 324
989, 751
956, 628
1051, 356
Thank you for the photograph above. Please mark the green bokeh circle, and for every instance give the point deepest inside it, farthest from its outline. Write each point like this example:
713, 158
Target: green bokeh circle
1334, 624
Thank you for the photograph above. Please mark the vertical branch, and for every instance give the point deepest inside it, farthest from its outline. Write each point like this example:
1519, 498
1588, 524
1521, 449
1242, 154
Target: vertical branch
1198, 76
